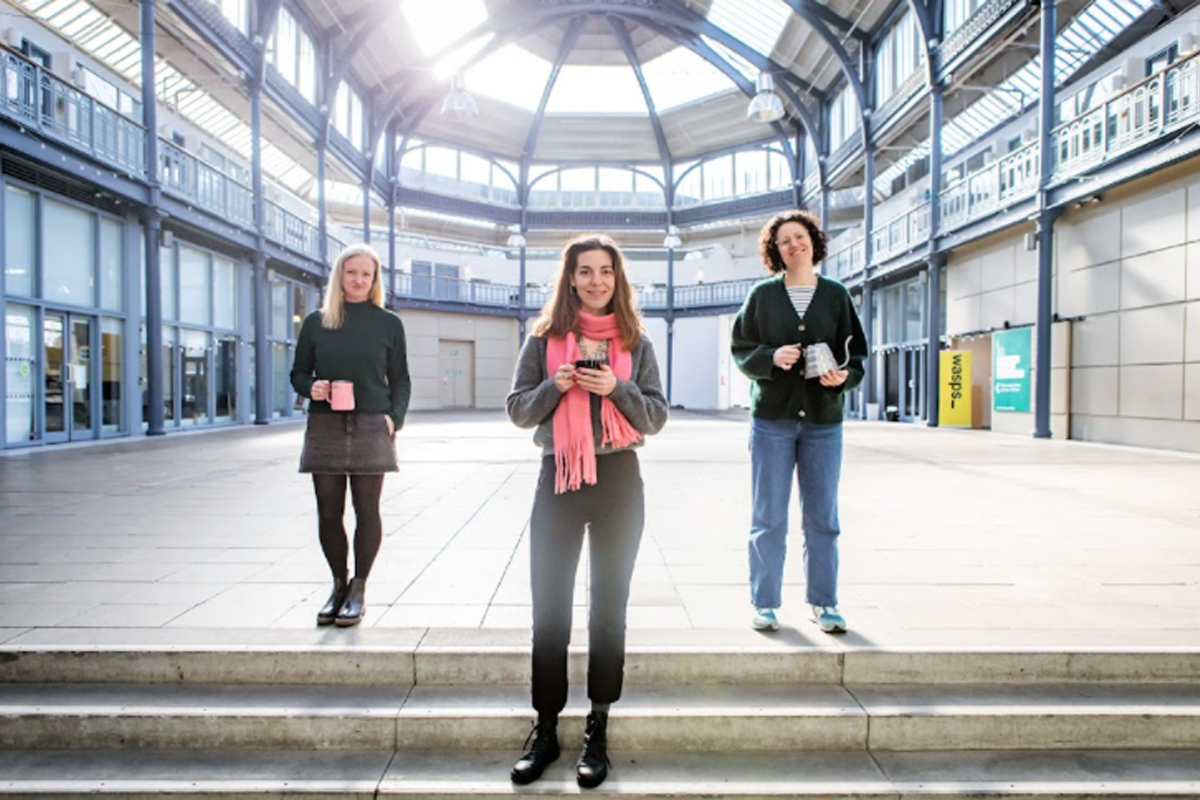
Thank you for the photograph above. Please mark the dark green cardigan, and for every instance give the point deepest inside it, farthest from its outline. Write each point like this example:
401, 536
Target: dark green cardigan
768, 321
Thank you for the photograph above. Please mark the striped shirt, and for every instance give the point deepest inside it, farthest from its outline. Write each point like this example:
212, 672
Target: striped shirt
800, 296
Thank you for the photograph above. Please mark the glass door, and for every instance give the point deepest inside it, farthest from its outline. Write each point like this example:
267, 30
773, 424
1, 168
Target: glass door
68, 399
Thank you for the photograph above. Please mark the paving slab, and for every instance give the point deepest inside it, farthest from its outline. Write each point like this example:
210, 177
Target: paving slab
949, 538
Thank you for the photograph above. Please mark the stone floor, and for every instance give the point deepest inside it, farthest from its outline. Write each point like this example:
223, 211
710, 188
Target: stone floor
949, 538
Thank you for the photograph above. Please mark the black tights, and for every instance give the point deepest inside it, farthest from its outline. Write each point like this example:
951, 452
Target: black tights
368, 533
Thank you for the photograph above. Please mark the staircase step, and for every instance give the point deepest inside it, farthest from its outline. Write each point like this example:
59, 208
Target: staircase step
708, 718
502, 657
221, 774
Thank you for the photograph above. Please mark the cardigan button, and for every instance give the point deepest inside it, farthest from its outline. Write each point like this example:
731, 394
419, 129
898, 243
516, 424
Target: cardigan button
801, 327
801, 415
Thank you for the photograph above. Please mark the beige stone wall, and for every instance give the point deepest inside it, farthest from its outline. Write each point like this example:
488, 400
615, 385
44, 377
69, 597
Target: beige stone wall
495, 350
1130, 267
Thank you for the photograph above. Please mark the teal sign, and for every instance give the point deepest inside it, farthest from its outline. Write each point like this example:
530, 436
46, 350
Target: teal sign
1010, 370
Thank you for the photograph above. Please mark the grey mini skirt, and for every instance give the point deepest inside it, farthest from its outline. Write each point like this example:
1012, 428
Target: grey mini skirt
352, 443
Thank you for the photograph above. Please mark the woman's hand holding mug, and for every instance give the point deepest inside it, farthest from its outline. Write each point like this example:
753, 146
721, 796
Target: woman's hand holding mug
787, 356
320, 390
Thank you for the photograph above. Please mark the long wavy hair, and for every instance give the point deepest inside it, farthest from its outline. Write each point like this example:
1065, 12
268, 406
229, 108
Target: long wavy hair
561, 312
333, 309
771, 258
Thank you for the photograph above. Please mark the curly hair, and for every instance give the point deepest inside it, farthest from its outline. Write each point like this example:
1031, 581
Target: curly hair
771, 258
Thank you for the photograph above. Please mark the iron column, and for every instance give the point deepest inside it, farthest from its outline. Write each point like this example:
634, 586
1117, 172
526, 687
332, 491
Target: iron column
1046, 216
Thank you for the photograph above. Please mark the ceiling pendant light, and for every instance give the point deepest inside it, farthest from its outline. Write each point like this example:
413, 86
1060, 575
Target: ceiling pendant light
458, 104
765, 106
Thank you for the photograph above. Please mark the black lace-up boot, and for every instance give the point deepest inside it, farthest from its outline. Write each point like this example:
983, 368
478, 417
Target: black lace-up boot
541, 749
593, 764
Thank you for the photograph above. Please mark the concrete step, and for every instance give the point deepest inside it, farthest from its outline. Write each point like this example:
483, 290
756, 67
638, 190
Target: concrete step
221, 774
699, 717
373, 657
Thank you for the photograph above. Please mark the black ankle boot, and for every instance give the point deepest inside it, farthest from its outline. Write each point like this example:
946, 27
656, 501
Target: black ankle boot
541, 750
355, 604
593, 764
328, 612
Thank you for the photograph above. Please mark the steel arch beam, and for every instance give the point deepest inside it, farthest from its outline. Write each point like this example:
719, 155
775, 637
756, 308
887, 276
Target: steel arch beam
664, 151
711, 56
849, 68
359, 35
535, 128
268, 14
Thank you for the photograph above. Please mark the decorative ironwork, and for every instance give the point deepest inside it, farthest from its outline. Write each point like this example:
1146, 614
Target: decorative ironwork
207, 14
978, 24
57, 110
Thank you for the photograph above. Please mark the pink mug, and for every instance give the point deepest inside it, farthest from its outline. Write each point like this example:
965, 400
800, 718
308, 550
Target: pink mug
341, 396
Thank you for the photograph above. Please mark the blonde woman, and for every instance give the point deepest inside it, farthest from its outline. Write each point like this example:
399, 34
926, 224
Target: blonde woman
351, 362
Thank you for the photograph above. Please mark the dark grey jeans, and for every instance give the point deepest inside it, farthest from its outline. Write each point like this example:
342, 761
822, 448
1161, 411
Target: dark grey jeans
613, 513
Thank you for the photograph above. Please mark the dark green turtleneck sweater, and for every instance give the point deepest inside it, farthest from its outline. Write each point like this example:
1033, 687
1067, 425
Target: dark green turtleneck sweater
368, 349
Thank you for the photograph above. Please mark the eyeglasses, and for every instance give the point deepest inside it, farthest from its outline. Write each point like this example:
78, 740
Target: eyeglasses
782, 243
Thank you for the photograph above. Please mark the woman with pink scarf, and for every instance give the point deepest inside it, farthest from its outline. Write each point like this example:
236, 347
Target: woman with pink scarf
587, 379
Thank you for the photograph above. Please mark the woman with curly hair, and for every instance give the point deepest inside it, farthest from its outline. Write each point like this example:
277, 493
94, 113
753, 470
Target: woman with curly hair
796, 424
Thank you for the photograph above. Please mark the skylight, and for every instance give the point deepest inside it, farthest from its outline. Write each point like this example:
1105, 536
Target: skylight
1088, 33
437, 23
96, 33
512, 75
758, 23
596, 90
681, 77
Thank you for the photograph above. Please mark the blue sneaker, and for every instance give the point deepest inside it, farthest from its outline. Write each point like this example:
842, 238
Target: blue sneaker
764, 620
828, 619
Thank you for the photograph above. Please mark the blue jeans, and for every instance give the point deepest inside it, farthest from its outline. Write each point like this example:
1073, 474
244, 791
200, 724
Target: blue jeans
814, 452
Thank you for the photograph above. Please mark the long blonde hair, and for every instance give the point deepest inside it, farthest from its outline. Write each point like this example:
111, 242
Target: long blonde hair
561, 312
333, 310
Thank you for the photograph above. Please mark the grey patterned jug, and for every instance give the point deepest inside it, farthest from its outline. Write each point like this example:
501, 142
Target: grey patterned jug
818, 359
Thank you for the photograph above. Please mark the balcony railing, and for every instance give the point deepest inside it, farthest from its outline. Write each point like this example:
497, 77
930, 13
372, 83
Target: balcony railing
1010, 179
285, 228
438, 288
846, 261
902, 233
189, 178
1159, 105
54, 108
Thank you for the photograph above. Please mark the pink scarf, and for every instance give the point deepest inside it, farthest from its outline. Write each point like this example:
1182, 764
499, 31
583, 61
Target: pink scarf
574, 442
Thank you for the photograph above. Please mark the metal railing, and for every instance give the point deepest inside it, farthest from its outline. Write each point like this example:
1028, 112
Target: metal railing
846, 261
438, 288
902, 233
187, 177
1159, 105
285, 228
1010, 179
54, 108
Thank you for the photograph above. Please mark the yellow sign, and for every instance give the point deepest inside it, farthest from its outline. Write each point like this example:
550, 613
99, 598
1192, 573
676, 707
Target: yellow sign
954, 397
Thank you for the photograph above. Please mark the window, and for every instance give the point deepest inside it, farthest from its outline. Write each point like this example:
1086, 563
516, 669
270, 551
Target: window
348, 115
235, 12
845, 119
959, 11
292, 52
898, 56
68, 254
20, 239
718, 178
1162, 59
